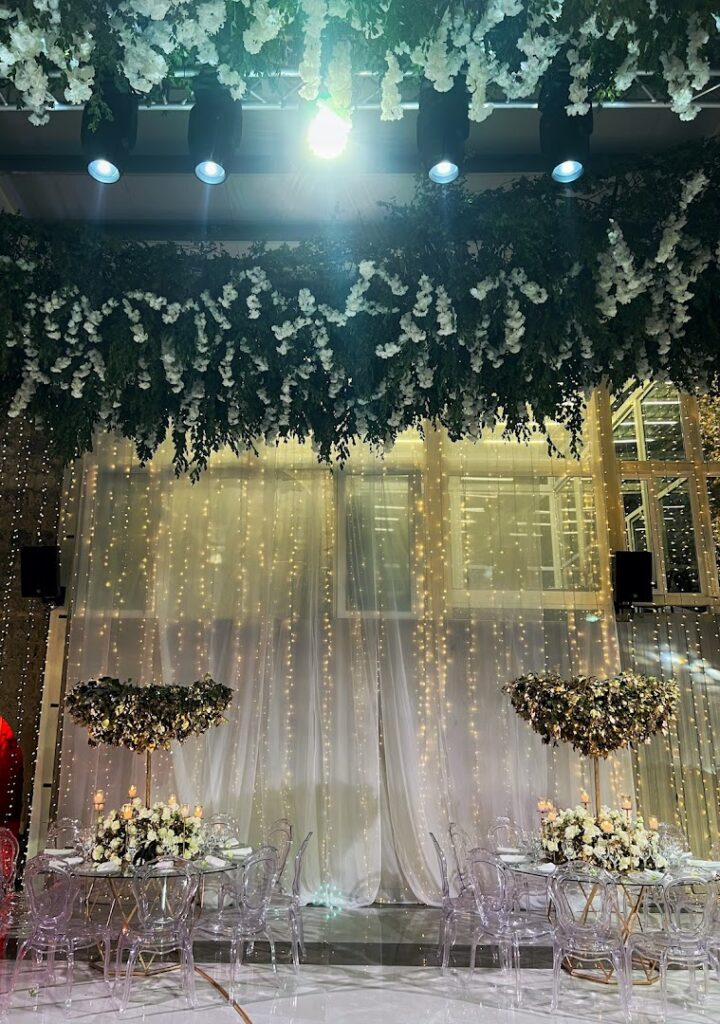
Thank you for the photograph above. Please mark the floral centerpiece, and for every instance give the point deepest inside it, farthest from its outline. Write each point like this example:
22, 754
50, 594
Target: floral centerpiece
145, 718
609, 841
149, 832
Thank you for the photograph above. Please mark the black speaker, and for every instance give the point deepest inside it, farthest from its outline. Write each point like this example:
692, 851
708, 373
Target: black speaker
40, 572
632, 577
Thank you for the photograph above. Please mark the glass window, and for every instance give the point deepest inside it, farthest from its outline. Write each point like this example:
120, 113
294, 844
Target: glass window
635, 504
515, 535
625, 437
713, 486
678, 536
377, 523
662, 423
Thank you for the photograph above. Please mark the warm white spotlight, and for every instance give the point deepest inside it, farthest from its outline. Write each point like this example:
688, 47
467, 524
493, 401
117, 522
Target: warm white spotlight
328, 133
104, 171
443, 172
210, 172
567, 171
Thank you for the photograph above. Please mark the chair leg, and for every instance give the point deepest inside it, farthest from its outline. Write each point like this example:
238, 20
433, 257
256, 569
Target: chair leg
106, 961
518, 976
132, 960
188, 972
301, 930
619, 961
272, 948
294, 939
557, 976
70, 968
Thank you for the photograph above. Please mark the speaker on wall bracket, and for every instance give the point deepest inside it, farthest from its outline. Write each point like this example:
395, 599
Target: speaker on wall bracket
632, 578
40, 573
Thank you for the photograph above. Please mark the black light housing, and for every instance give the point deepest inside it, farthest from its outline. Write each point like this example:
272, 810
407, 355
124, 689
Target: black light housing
442, 130
108, 136
564, 138
214, 132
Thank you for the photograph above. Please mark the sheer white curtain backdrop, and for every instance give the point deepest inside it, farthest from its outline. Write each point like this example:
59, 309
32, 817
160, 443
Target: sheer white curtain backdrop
366, 619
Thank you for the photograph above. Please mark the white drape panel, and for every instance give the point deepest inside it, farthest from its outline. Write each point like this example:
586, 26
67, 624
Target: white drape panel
366, 619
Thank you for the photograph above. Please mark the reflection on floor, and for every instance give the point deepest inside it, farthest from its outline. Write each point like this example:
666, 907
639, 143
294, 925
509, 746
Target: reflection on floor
344, 985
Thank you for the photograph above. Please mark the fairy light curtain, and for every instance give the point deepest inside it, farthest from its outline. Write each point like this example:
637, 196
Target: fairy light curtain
366, 619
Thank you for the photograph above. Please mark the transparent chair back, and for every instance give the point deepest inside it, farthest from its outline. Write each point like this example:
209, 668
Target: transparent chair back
164, 891
64, 834
460, 843
299, 860
585, 900
222, 830
279, 836
258, 875
690, 908
50, 892
504, 834
490, 882
442, 864
9, 852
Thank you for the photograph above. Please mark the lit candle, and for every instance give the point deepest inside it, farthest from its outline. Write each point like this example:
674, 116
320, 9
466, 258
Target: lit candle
198, 811
543, 806
627, 806
132, 792
99, 800
127, 811
172, 800
551, 814
653, 824
185, 810
585, 798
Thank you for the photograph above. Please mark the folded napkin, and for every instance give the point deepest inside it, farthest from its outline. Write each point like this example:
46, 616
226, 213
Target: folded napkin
215, 862
710, 865
546, 868
52, 852
508, 849
107, 868
73, 860
232, 841
513, 858
58, 865
164, 865
239, 851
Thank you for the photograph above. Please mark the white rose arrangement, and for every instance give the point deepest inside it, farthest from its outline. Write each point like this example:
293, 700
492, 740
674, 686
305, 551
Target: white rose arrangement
609, 841
157, 831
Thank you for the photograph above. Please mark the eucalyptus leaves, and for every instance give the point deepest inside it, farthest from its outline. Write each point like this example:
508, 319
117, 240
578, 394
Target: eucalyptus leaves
596, 716
468, 309
145, 718
502, 47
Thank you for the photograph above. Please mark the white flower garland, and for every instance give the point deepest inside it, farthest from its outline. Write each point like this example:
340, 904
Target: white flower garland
464, 39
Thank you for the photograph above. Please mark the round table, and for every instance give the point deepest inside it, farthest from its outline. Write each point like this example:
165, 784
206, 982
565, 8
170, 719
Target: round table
633, 887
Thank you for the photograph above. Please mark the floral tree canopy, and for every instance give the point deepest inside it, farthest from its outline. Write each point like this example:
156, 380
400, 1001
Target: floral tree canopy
145, 718
465, 309
502, 47
596, 716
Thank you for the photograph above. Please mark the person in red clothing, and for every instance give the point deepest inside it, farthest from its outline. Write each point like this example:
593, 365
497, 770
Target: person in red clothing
11, 778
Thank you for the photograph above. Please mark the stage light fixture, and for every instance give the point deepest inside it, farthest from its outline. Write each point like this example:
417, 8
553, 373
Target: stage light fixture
108, 132
564, 138
442, 129
328, 132
214, 132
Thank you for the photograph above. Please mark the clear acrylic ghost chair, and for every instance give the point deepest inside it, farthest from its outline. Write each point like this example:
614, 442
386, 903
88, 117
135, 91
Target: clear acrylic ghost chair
498, 920
51, 892
504, 836
279, 836
164, 892
222, 831
289, 906
245, 917
452, 908
64, 834
587, 925
460, 844
9, 853
684, 940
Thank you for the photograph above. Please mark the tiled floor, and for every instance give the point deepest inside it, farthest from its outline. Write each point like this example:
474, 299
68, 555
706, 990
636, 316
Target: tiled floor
359, 974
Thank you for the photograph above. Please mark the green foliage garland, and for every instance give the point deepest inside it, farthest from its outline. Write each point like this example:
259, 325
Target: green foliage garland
596, 716
465, 309
145, 718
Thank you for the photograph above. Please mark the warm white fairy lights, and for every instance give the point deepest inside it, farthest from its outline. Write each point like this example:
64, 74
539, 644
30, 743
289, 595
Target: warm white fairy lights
271, 549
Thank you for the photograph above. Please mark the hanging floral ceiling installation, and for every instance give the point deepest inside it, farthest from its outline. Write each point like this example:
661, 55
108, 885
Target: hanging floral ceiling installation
502, 47
466, 309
